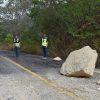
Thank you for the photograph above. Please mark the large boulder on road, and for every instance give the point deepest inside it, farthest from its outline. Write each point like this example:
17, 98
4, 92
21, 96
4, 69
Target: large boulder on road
80, 63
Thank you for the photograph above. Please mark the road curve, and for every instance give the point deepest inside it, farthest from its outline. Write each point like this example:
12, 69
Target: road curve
19, 83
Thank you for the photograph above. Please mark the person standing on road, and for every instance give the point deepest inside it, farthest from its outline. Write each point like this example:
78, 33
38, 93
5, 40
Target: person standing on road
17, 46
45, 46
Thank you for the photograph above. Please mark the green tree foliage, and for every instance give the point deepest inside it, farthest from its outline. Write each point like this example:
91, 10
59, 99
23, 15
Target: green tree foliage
2, 31
9, 39
70, 24
77, 17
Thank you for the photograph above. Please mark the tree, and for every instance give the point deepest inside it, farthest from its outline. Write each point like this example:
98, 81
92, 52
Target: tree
64, 20
74, 17
14, 13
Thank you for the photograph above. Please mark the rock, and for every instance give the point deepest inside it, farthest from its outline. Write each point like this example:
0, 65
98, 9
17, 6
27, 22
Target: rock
98, 82
80, 63
98, 89
57, 59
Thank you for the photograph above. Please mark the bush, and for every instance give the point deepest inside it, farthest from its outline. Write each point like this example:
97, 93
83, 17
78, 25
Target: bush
8, 39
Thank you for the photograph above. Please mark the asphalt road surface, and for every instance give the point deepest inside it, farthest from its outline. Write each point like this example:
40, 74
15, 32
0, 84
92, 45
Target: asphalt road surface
17, 84
31, 78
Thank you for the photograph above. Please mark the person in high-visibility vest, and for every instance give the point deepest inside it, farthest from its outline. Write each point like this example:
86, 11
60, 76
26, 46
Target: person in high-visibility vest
45, 46
17, 46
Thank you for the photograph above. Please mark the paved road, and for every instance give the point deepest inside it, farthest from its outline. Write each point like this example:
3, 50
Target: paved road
44, 82
17, 84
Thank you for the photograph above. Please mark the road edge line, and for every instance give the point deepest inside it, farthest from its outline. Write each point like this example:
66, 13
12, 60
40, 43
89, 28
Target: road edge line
50, 83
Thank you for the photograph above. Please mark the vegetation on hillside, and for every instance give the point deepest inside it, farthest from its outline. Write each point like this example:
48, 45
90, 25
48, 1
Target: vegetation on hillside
69, 24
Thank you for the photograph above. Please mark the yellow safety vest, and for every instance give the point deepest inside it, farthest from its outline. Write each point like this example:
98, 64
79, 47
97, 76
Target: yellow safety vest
44, 42
16, 40
17, 44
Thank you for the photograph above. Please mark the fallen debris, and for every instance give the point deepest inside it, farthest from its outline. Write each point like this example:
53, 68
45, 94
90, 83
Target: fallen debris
57, 59
98, 89
80, 63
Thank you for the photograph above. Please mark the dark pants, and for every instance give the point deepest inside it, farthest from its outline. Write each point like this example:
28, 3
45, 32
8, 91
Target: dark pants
45, 51
17, 51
